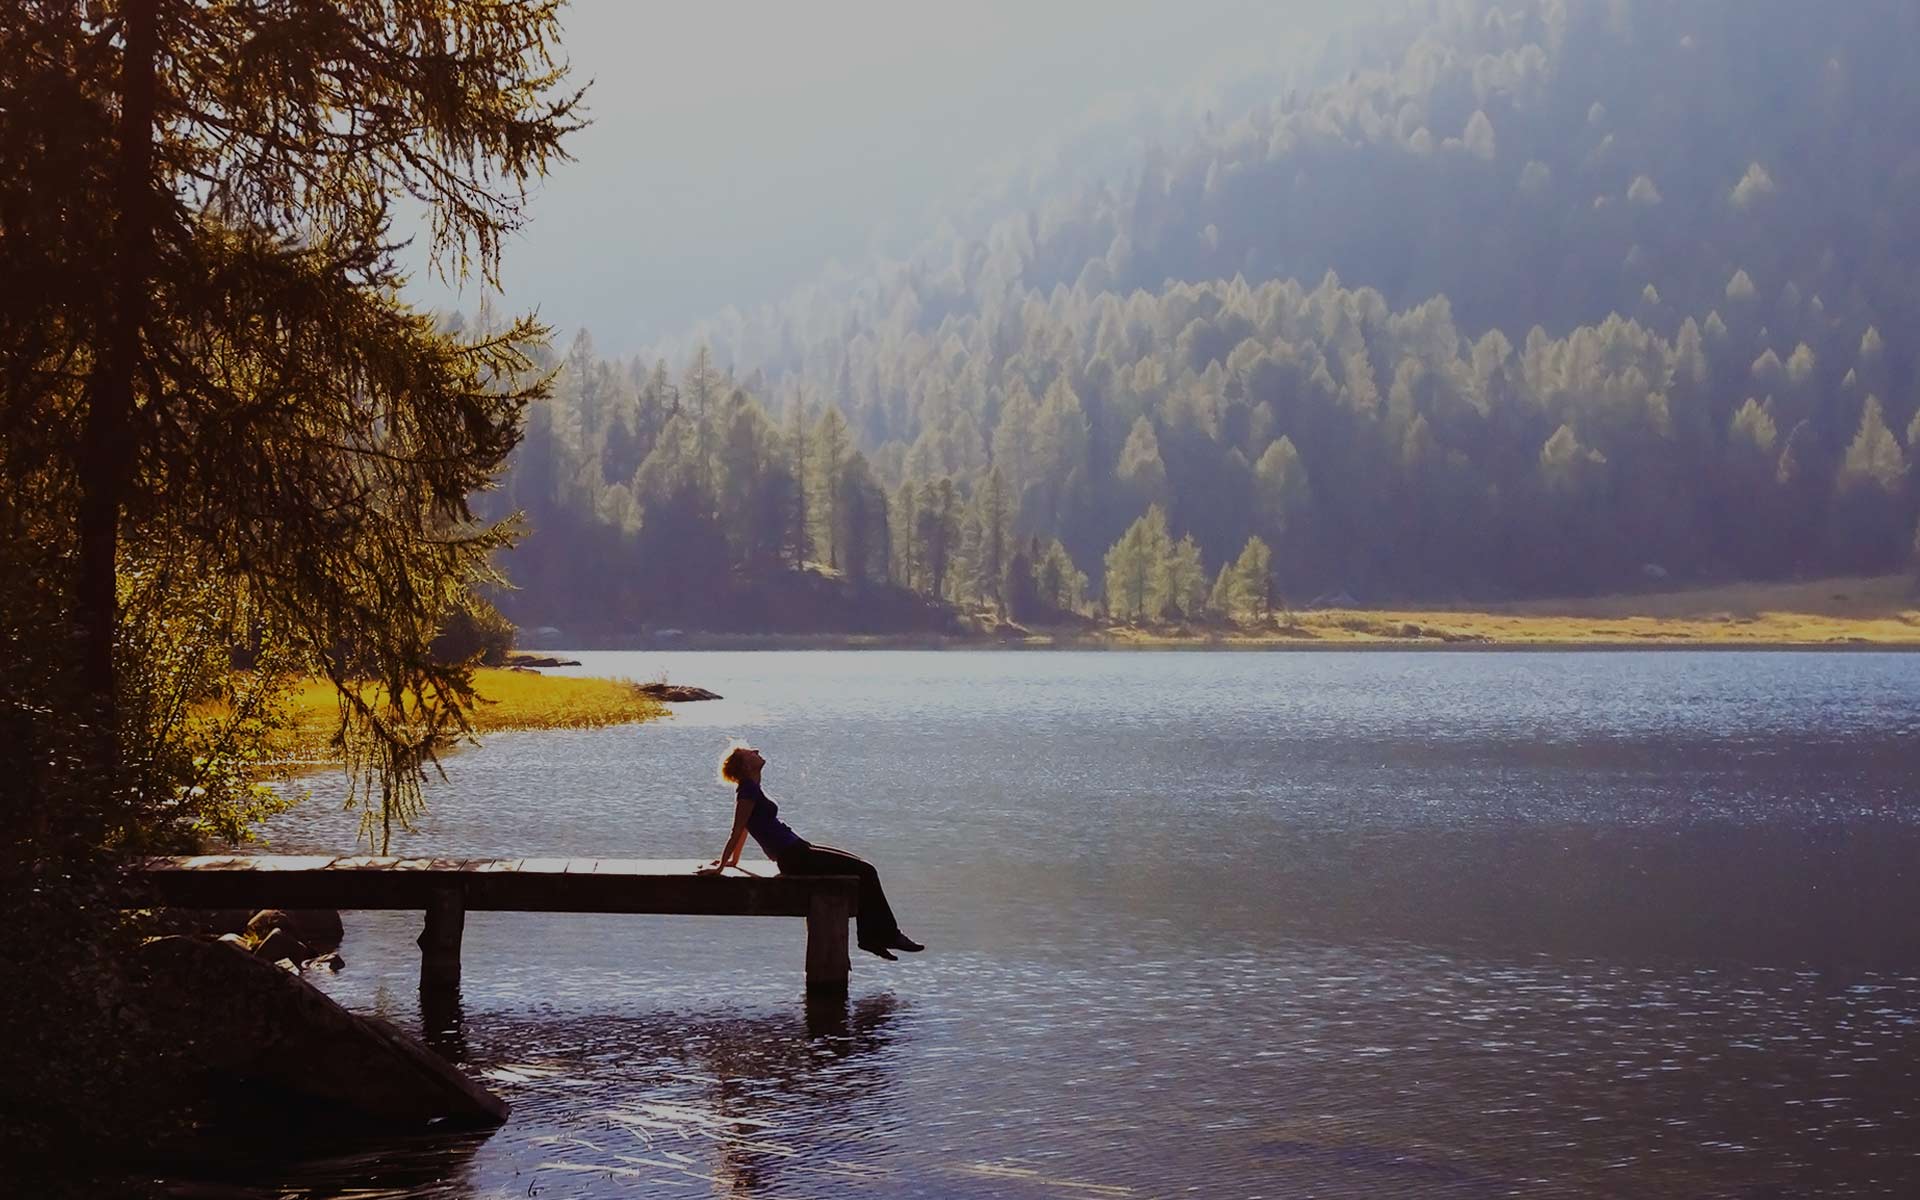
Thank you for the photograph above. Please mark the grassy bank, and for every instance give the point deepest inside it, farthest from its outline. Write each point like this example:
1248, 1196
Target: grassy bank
1873, 611
1869, 611
509, 700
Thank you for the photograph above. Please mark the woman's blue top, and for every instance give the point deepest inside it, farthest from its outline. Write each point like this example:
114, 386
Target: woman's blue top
765, 825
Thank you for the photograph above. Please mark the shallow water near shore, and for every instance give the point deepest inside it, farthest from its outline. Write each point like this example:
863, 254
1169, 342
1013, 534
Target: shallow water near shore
1223, 924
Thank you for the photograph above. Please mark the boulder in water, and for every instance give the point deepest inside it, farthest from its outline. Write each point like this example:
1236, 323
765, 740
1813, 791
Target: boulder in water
243, 1021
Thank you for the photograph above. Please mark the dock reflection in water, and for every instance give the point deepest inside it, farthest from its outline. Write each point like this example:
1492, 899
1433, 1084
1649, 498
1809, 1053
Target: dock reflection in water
768, 1104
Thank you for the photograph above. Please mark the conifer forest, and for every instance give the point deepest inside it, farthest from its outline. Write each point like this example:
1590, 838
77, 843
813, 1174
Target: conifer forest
1496, 300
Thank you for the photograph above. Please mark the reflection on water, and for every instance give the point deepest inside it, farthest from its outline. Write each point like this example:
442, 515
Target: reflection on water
737, 1104
740, 1105
443, 1022
1325, 925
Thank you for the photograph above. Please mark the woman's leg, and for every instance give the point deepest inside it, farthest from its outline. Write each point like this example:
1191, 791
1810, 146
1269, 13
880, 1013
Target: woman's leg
874, 924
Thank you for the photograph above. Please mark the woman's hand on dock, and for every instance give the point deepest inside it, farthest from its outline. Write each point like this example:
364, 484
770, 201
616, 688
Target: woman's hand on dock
712, 868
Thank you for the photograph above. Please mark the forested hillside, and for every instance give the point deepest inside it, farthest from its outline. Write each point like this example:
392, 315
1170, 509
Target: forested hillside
1542, 297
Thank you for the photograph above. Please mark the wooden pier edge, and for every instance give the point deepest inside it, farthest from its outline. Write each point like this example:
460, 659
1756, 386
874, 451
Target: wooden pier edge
446, 889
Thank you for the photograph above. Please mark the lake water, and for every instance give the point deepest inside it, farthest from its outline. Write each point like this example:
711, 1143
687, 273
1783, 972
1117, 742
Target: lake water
1234, 925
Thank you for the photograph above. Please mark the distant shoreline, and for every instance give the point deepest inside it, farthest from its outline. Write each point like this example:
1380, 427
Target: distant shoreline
1041, 645
1878, 613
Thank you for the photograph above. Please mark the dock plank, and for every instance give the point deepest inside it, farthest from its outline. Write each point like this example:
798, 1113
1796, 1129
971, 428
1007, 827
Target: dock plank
360, 862
291, 862
610, 885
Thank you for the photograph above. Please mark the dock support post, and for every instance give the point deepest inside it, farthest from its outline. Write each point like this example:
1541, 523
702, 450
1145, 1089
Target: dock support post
440, 950
827, 917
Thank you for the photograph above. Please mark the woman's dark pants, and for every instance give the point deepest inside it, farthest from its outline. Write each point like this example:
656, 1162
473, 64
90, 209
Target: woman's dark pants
873, 923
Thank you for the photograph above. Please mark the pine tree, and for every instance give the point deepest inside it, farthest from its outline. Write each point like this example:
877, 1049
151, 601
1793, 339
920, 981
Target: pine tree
1869, 519
623, 451
993, 520
1143, 582
578, 373
742, 459
1566, 464
799, 445
1282, 493
938, 534
1130, 572
1253, 578
862, 506
964, 568
1186, 580
1156, 545
903, 521
1013, 449
831, 446
1061, 440
1748, 517
703, 384
1140, 467
776, 495
1224, 601
659, 400
240, 385
1062, 586
1874, 460
674, 468
1021, 588
1752, 431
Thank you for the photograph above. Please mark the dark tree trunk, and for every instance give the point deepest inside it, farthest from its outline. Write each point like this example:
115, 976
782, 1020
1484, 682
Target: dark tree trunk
107, 450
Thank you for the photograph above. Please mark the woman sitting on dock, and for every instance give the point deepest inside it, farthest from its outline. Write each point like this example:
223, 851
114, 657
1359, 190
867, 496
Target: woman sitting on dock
755, 813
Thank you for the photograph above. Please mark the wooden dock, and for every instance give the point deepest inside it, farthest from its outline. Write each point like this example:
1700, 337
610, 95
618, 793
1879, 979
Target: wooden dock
446, 889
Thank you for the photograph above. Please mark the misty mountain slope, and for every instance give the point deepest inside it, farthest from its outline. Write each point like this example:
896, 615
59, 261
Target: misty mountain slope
1567, 291
1536, 163
1548, 163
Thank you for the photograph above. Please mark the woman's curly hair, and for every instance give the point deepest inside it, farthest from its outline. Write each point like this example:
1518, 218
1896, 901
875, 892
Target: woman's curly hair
730, 762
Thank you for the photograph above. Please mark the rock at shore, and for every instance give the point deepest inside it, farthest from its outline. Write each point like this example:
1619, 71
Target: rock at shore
244, 1021
521, 661
675, 693
317, 929
279, 944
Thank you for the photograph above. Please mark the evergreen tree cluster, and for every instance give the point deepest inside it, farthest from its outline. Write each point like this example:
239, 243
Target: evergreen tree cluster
679, 499
1542, 296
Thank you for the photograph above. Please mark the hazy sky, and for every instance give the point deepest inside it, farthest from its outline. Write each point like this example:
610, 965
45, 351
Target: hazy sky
736, 148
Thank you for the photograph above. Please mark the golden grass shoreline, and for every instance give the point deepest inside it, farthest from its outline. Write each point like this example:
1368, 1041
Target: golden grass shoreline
1873, 612
508, 701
